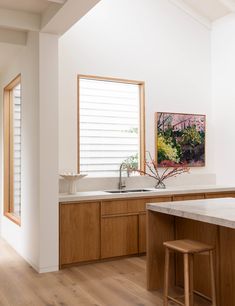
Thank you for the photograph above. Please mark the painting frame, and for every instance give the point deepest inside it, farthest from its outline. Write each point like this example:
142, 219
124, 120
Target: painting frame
202, 162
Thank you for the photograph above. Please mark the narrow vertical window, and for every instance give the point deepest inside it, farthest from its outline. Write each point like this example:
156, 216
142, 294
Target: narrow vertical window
111, 125
12, 150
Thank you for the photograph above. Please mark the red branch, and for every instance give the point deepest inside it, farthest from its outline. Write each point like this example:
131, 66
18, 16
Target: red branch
167, 173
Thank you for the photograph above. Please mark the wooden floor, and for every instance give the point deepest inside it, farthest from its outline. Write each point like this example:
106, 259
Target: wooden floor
115, 283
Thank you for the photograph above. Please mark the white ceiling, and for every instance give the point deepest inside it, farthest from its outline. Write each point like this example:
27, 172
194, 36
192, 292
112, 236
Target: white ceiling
30, 6
9, 51
17, 17
205, 11
211, 10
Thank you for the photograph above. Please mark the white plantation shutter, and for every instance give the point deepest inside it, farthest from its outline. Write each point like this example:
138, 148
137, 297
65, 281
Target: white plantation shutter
17, 148
109, 125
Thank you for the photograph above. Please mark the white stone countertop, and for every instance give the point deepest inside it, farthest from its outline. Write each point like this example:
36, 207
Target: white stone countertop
102, 195
214, 211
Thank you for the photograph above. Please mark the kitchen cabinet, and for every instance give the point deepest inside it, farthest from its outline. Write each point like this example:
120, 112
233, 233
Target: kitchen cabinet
216, 195
142, 233
120, 226
79, 232
125, 206
188, 197
123, 226
159, 199
119, 236
91, 231
142, 221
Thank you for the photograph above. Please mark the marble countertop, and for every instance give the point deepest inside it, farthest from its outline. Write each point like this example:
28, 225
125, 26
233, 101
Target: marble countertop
102, 195
214, 211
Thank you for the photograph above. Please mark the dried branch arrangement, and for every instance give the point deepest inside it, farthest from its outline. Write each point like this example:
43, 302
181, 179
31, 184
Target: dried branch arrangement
168, 172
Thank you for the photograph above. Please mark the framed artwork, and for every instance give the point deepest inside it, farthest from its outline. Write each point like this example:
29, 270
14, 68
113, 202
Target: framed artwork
180, 139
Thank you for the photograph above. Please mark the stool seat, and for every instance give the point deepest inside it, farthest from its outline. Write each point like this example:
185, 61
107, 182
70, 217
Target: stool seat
187, 246
189, 249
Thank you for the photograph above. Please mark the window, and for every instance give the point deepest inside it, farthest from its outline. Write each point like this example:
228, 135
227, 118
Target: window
110, 125
12, 150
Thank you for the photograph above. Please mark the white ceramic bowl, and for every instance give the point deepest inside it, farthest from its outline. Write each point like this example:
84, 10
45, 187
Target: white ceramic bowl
72, 179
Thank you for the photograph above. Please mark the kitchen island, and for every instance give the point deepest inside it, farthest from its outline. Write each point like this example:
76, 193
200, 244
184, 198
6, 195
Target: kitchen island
210, 221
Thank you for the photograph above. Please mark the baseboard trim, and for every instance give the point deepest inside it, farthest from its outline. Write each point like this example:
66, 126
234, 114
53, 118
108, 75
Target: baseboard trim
48, 269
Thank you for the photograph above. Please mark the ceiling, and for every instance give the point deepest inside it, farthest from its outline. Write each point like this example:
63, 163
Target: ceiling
30, 6
7, 50
210, 10
18, 17
205, 11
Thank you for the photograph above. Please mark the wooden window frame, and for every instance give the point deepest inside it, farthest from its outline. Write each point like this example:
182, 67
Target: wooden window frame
141, 85
9, 151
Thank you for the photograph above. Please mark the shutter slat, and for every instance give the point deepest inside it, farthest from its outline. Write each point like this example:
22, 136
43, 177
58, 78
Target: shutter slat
17, 149
105, 154
109, 125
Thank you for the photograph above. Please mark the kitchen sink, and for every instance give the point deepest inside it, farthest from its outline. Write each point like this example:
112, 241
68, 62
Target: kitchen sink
127, 190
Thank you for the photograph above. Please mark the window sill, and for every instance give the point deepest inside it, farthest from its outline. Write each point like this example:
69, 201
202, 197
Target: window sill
13, 218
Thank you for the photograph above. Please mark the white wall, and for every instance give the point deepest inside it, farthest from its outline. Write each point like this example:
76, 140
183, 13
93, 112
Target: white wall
37, 238
25, 239
223, 64
153, 41
48, 130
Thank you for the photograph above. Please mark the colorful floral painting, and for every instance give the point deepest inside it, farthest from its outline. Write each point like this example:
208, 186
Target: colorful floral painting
180, 139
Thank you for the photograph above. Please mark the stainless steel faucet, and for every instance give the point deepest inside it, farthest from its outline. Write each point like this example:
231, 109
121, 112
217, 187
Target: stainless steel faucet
122, 182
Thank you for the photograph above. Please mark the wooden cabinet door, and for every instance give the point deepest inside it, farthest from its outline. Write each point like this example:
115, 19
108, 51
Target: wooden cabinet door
119, 236
142, 233
79, 232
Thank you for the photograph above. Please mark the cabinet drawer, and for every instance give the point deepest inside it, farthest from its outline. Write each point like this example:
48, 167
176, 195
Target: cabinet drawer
185, 197
214, 195
159, 199
122, 207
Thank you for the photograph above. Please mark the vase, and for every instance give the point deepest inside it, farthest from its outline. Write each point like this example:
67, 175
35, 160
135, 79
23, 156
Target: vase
72, 179
160, 185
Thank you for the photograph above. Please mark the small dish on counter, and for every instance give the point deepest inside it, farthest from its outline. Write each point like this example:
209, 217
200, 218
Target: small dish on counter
72, 179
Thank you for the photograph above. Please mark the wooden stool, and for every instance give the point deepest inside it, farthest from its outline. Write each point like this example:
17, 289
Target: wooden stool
188, 248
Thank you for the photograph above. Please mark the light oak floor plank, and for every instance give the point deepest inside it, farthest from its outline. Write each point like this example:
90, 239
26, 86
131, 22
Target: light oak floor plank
113, 283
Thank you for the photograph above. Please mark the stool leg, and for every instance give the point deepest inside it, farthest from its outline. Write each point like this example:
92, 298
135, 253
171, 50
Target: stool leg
191, 259
186, 280
166, 277
213, 286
